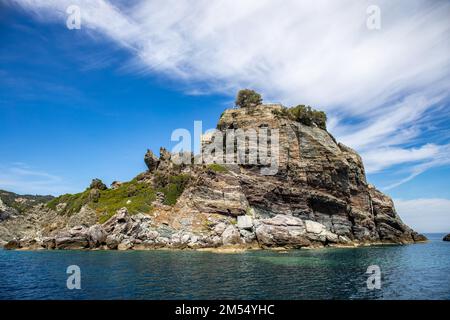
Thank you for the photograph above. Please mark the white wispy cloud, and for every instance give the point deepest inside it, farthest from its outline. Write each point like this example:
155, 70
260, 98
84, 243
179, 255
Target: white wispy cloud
392, 156
315, 52
21, 178
425, 215
440, 159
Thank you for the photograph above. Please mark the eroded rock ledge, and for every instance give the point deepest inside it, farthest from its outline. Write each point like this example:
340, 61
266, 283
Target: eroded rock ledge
319, 197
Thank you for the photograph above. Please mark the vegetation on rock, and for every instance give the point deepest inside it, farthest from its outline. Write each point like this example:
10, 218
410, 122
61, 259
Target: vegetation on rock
248, 98
98, 184
22, 202
305, 115
217, 167
73, 202
134, 195
320, 179
171, 185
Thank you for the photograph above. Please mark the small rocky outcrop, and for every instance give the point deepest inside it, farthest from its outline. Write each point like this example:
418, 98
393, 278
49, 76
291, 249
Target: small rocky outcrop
98, 185
115, 185
447, 237
151, 161
12, 245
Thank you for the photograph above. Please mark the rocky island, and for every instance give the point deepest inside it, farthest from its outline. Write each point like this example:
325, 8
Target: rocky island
318, 197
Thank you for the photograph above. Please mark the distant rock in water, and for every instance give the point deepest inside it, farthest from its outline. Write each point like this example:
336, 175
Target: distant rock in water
446, 238
317, 197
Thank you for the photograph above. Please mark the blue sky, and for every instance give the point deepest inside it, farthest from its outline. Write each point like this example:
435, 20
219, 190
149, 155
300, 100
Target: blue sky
78, 104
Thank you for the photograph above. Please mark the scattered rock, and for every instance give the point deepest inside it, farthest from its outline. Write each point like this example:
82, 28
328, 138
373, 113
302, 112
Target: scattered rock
72, 243
247, 236
48, 243
12, 245
126, 244
447, 237
112, 241
231, 236
314, 227
97, 236
160, 197
61, 206
245, 222
282, 231
220, 228
115, 185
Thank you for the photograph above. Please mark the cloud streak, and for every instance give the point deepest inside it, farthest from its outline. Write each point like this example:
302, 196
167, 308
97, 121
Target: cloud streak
425, 215
21, 178
315, 52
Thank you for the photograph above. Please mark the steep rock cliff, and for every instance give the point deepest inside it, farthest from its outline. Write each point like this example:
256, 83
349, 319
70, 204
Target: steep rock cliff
318, 196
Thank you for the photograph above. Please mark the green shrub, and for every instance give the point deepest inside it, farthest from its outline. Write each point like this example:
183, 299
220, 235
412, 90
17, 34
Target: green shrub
132, 190
303, 114
282, 113
248, 98
9, 199
98, 184
217, 167
320, 119
74, 202
160, 180
135, 196
174, 188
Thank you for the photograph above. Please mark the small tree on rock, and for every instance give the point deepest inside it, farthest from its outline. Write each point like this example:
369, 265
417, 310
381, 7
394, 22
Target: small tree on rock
248, 98
320, 119
308, 116
98, 184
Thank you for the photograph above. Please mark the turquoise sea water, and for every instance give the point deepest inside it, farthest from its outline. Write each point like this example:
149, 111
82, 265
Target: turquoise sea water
420, 271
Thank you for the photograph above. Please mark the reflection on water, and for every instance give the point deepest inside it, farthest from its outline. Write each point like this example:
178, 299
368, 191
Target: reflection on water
419, 271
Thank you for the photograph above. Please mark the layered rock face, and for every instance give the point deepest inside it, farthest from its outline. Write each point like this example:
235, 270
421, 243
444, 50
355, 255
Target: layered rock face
318, 196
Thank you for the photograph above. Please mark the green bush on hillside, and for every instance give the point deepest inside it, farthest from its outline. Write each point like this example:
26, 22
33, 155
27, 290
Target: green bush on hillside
98, 184
173, 187
134, 195
305, 115
248, 98
217, 167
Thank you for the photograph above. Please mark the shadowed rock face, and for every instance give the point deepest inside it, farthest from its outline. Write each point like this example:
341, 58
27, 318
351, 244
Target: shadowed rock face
318, 180
319, 196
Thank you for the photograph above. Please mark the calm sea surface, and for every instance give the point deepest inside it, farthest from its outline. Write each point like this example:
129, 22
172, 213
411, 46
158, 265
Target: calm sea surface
420, 271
